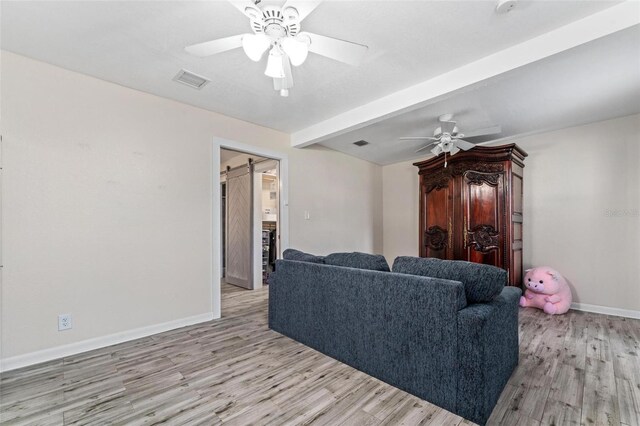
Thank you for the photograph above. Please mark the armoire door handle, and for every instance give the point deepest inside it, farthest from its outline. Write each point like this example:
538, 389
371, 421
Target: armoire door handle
464, 231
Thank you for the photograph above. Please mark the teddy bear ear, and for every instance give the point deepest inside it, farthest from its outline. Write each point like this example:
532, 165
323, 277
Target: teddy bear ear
528, 270
553, 275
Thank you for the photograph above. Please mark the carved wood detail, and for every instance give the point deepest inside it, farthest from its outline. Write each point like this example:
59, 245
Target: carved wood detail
435, 238
437, 182
460, 168
477, 178
484, 238
440, 178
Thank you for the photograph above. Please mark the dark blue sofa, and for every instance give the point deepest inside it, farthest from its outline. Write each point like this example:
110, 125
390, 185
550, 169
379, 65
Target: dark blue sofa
417, 333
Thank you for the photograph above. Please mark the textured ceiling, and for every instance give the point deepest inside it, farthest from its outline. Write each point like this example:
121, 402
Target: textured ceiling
141, 45
592, 82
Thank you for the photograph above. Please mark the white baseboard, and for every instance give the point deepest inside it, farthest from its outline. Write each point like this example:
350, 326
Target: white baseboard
627, 313
50, 354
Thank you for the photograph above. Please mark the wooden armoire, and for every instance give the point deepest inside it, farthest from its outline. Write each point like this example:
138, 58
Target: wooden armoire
472, 209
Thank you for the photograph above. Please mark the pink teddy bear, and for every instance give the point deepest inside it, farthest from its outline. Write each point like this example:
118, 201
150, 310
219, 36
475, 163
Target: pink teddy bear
546, 289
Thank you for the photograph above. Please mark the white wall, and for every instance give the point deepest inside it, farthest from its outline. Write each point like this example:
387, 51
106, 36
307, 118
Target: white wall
581, 212
346, 199
107, 205
342, 195
269, 186
400, 210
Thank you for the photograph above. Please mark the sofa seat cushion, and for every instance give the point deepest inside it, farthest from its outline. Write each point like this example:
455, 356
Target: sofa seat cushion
374, 262
300, 256
482, 283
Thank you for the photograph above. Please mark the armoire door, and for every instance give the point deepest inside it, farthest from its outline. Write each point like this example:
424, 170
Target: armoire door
437, 219
483, 227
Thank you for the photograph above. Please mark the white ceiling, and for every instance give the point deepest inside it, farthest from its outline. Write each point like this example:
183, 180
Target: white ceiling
592, 82
141, 45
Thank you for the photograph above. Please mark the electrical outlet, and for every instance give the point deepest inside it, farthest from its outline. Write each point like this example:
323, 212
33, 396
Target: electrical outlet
65, 322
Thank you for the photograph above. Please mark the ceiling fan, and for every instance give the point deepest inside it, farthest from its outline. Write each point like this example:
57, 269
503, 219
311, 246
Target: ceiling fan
447, 138
277, 29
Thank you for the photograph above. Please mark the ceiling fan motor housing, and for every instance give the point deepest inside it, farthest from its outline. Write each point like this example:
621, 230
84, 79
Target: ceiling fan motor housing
276, 23
438, 131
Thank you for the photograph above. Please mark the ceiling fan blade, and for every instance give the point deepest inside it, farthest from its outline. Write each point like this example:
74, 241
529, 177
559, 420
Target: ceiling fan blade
447, 126
424, 147
247, 8
493, 130
303, 7
437, 150
454, 150
418, 138
339, 50
463, 145
212, 47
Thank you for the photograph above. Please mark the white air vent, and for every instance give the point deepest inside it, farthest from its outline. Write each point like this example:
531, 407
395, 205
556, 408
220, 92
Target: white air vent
191, 79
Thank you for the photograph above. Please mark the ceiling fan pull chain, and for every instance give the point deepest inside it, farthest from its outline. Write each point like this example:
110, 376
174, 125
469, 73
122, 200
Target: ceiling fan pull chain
445, 159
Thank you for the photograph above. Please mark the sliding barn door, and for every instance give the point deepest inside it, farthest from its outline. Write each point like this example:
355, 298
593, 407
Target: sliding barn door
239, 227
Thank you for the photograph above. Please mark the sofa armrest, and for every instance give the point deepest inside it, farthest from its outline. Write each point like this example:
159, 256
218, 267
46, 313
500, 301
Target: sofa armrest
487, 353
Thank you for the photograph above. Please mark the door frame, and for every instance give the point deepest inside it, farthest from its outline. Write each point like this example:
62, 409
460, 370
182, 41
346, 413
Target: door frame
257, 219
216, 222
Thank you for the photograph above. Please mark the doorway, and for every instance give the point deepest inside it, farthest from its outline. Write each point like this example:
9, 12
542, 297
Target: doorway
250, 230
216, 223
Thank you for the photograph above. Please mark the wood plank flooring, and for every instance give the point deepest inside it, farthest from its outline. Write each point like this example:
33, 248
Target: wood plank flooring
579, 368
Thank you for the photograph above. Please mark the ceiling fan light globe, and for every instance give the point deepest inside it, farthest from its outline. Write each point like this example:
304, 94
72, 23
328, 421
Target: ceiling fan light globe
275, 67
296, 48
254, 45
291, 13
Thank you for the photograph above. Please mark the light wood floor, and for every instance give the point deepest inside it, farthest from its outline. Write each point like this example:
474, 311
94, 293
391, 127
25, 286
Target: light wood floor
575, 369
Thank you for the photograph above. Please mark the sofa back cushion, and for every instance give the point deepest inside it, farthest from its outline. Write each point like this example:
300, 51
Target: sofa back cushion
482, 283
300, 256
374, 262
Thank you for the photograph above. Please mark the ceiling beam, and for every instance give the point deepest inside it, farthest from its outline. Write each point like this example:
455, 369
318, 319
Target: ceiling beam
592, 27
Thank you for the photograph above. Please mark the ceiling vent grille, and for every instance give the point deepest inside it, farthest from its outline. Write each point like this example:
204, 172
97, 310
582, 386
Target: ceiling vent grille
361, 143
191, 79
